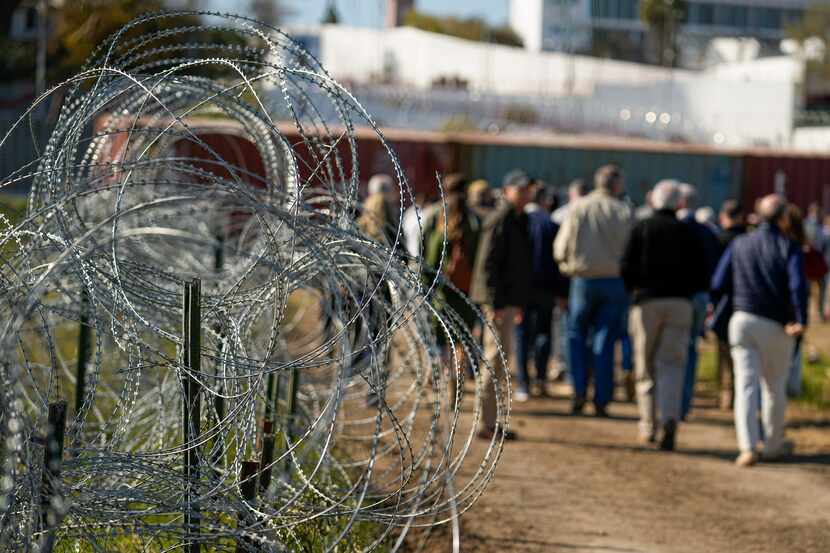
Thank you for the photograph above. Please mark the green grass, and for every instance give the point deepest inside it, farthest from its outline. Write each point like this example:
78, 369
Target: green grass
815, 377
13, 206
816, 383
707, 368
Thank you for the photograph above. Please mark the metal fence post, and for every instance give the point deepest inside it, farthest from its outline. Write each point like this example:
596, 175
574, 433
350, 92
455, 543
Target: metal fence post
191, 413
50, 498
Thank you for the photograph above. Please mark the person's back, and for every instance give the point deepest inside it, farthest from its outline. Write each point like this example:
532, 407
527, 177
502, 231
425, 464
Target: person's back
764, 273
762, 263
669, 259
501, 276
710, 243
588, 247
545, 276
593, 236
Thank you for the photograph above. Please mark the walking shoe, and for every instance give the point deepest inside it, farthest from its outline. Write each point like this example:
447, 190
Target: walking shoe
488, 433
669, 431
543, 390
786, 449
601, 411
630, 387
577, 406
521, 396
646, 439
747, 459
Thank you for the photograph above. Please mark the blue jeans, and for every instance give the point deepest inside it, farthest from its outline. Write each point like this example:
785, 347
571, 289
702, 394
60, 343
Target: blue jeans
700, 302
625, 346
596, 304
533, 337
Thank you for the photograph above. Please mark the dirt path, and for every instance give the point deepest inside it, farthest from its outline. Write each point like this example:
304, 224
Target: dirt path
582, 485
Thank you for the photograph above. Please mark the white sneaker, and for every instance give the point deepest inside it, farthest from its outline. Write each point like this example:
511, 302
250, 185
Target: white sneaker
521, 396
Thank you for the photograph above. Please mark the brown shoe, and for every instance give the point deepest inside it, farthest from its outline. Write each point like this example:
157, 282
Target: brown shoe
747, 459
647, 440
488, 433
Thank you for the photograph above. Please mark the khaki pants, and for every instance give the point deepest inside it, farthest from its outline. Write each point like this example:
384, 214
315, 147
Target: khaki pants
494, 372
660, 331
762, 354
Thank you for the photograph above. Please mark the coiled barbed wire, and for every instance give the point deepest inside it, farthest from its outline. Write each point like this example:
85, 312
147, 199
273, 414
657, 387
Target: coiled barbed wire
324, 406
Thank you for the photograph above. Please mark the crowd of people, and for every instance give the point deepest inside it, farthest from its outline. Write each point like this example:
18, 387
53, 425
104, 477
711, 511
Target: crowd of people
599, 271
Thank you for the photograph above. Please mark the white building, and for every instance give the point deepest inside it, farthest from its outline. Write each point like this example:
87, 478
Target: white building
405, 71
576, 25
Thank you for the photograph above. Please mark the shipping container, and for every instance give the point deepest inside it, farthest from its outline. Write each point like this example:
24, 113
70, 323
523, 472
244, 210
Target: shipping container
802, 179
716, 174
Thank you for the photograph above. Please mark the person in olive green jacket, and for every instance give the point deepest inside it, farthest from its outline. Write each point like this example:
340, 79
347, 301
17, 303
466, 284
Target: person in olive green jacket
502, 285
462, 233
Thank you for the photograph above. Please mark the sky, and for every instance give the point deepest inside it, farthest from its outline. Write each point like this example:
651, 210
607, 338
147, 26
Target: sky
370, 12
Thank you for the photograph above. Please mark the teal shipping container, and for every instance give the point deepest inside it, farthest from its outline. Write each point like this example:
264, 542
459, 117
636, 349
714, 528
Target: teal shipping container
717, 174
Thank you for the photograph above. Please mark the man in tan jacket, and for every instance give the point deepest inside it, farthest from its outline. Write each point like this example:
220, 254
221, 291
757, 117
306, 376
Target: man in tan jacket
588, 248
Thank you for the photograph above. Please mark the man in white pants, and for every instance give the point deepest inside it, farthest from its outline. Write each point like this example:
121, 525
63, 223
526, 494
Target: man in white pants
763, 272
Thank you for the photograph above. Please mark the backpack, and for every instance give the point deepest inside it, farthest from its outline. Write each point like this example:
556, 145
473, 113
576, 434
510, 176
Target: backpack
459, 268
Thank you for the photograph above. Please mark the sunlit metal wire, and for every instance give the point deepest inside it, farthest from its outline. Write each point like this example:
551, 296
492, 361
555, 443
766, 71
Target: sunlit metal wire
320, 358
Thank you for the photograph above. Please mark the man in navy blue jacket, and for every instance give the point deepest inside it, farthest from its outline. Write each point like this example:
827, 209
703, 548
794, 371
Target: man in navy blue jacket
548, 287
764, 273
700, 300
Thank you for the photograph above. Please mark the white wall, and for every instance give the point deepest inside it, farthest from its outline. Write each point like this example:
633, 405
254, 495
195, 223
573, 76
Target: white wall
814, 139
779, 69
739, 104
420, 57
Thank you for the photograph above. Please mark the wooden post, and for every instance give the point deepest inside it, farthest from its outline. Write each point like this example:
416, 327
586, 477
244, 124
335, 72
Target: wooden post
191, 412
52, 460
84, 350
248, 487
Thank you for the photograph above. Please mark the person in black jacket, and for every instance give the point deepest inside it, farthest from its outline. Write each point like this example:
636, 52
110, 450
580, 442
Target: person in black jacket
663, 266
700, 300
501, 285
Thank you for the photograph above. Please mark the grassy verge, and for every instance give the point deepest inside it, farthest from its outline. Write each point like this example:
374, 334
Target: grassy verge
815, 378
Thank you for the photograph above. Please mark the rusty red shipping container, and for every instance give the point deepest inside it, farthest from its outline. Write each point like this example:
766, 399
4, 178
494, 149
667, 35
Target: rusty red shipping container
804, 179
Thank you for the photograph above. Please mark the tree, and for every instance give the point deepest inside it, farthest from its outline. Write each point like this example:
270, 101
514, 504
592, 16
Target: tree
469, 29
84, 24
663, 19
267, 11
331, 17
812, 33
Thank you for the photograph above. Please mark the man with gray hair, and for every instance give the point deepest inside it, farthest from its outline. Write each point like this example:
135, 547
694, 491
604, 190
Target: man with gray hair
700, 300
763, 272
588, 248
662, 267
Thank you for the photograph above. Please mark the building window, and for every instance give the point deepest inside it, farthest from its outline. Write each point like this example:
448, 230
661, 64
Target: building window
741, 17
615, 9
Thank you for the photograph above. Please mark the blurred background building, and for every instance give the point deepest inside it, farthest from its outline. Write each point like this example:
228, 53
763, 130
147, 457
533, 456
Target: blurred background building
618, 28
